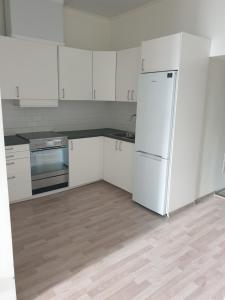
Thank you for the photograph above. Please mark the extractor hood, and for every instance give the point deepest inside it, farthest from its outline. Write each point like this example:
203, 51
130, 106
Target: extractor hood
35, 19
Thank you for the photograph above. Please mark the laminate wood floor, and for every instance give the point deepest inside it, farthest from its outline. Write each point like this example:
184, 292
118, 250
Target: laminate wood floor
95, 243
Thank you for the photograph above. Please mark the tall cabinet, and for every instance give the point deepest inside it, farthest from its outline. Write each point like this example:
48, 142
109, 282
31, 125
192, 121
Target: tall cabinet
189, 55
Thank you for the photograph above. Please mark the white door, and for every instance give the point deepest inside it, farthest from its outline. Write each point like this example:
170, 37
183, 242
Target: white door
150, 184
161, 54
75, 74
128, 70
155, 113
85, 161
104, 75
7, 281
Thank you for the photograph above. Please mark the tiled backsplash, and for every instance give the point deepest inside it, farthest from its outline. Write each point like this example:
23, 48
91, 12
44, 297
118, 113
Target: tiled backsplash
68, 116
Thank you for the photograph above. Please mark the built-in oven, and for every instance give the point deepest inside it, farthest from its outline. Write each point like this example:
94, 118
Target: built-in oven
49, 161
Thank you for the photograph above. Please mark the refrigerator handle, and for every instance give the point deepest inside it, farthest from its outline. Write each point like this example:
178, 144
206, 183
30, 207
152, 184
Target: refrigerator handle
148, 155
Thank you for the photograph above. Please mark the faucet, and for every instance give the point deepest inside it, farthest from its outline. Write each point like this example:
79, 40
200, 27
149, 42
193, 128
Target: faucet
132, 117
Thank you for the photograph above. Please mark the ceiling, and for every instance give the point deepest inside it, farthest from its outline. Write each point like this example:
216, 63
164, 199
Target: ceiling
106, 8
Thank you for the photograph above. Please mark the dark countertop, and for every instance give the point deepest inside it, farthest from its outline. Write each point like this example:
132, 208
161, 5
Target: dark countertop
107, 132
13, 140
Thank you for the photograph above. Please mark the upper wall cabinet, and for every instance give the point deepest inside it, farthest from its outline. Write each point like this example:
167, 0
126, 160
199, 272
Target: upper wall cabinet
28, 70
128, 69
161, 54
75, 74
104, 75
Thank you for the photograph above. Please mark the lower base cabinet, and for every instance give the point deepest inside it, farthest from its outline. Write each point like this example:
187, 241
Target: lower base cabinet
85, 161
19, 176
119, 163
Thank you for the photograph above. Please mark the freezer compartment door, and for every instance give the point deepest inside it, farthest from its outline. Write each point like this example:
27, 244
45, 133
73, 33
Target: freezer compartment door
150, 186
155, 111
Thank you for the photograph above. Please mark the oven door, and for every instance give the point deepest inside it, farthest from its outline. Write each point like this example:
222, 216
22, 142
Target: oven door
49, 169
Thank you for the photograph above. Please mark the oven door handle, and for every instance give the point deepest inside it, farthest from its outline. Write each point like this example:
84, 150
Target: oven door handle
49, 148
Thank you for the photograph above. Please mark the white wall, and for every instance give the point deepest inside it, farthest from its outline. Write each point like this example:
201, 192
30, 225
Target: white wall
83, 30
212, 178
201, 17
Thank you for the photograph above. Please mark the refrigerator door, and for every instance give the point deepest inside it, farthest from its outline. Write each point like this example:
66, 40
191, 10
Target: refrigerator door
156, 94
150, 188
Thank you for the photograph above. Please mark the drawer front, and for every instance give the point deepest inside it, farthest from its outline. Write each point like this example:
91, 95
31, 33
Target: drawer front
17, 155
19, 179
17, 148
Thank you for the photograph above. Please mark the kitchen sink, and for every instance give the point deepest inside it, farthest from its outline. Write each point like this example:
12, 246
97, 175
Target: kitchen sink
125, 135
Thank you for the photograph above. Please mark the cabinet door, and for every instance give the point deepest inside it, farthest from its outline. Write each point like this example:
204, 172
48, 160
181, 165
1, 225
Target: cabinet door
19, 179
110, 162
75, 74
28, 70
118, 163
125, 164
161, 54
9, 73
37, 64
128, 69
85, 161
104, 76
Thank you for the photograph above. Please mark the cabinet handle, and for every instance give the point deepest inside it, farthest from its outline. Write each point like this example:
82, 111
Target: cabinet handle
10, 164
17, 92
63, 93
12, 177
9, 149
132, 95
143, 64
10, 156
128, 95
94, 94
116, 145
120, 147
71, 145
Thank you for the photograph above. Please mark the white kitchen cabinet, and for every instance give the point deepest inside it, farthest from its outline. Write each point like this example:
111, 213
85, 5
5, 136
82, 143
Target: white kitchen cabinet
119, 163
128, 69
104, 75
19, 173
85, 161
161, 54
28, 70
75, 74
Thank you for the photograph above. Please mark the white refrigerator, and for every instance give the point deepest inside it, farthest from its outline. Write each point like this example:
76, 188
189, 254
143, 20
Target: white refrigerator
154, 131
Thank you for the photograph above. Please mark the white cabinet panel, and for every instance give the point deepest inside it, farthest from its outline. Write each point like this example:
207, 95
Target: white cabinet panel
28, 70
104, 75
85, 161
9, 73
128, 69
19, 179
75, 74
161, 54
118, 163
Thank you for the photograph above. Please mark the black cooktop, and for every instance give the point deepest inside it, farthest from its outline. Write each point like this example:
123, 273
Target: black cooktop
39, 135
